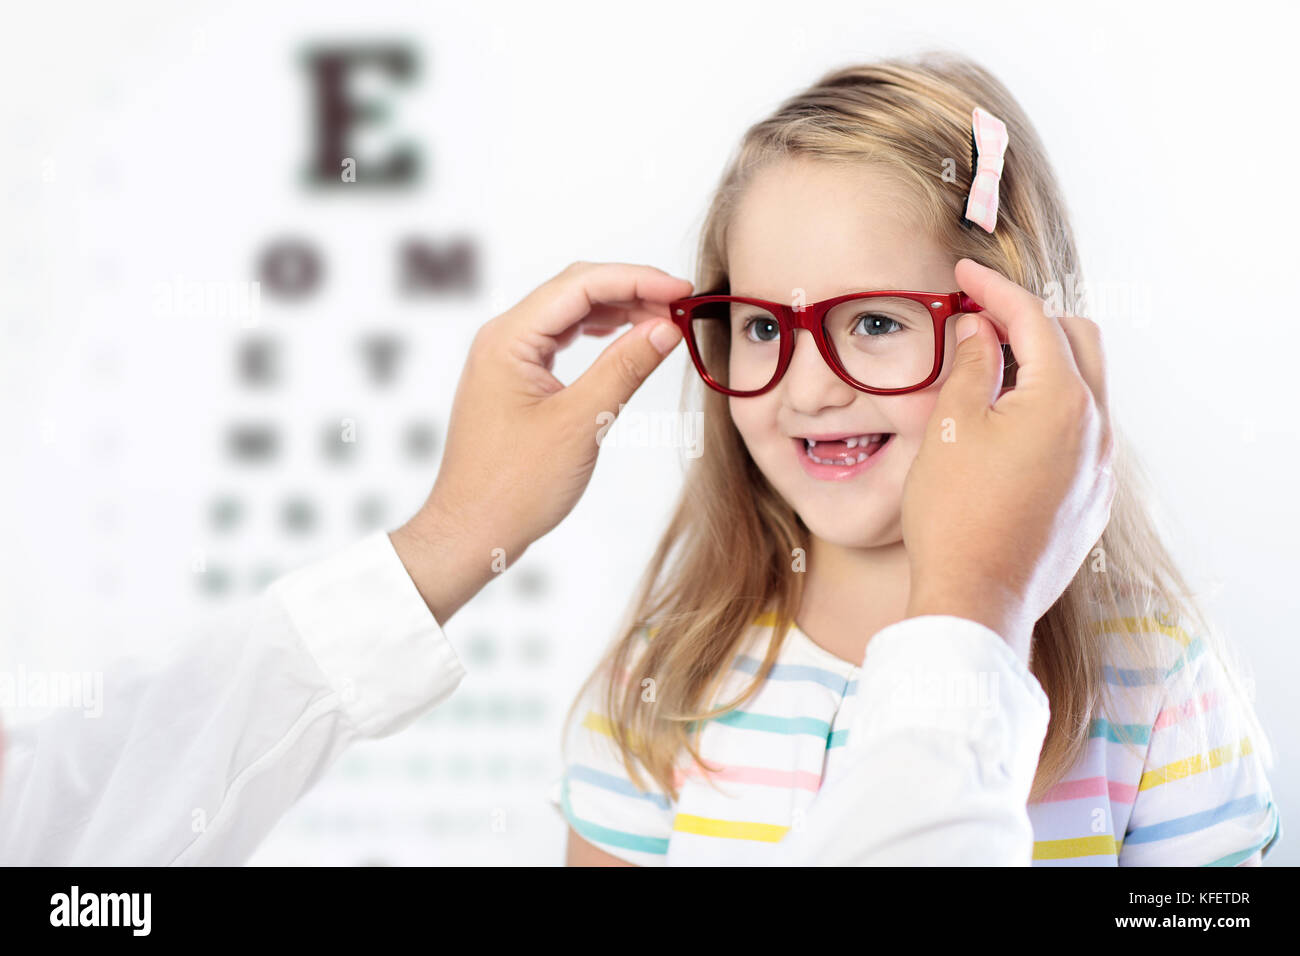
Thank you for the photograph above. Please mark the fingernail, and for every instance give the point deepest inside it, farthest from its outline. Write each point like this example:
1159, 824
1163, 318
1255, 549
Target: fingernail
664, 336
967, 325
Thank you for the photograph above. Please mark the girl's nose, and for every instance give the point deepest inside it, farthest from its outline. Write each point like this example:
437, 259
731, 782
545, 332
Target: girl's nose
809, 383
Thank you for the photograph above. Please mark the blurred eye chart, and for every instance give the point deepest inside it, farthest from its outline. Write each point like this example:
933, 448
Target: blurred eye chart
253, 253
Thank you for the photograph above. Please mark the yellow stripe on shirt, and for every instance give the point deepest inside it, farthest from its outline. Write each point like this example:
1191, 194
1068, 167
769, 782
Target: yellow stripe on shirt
729, 829
600, 724
1142, 625
1199, 763
1102, 845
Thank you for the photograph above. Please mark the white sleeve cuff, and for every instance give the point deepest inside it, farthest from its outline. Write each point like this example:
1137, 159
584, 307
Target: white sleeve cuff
940, 758
958, 677
363, 621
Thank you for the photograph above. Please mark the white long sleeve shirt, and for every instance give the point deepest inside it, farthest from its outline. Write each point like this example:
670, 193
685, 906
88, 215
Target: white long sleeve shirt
196, 756
934, 775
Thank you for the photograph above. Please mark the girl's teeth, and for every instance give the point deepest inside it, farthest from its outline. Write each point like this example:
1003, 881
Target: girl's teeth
858, 441
862, 456
853, 442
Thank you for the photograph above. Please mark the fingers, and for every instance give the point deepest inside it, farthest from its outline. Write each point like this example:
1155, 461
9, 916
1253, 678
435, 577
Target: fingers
584, 287
614, 314
1041, 347
1085, 343
976, 370
620, 369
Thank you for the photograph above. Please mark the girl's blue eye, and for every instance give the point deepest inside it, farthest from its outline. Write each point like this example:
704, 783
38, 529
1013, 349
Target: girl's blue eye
874, 320
762, 328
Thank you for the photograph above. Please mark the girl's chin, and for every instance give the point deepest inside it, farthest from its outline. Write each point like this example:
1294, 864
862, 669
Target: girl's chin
848, 531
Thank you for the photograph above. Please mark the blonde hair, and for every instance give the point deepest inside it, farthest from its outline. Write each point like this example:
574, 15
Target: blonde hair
725, 557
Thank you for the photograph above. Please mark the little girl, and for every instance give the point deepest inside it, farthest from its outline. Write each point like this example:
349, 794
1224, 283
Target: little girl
719, 712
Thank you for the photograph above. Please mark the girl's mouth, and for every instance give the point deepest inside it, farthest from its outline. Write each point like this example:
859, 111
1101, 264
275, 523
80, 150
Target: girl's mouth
843, 457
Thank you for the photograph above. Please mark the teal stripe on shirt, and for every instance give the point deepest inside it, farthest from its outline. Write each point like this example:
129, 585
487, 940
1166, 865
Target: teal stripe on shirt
1119, 733
1233, 859
744, 720
1194, 650
594, 833
1153, 675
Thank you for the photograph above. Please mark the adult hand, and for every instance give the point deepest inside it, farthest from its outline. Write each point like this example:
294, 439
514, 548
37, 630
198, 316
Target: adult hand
521, 445
1009, 493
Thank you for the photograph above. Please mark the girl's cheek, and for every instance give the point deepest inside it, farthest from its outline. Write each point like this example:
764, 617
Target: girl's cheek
914, 412
740, 418
750, 422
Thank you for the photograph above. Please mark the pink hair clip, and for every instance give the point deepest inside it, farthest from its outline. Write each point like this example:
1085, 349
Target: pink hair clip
988, 140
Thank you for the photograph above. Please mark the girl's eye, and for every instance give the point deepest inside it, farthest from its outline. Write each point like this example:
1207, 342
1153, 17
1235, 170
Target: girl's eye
875, 324
762, 328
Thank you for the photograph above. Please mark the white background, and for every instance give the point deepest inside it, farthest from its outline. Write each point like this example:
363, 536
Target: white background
143, 142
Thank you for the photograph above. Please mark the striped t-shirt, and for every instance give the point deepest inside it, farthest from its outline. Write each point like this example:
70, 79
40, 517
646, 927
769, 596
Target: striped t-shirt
1172, 803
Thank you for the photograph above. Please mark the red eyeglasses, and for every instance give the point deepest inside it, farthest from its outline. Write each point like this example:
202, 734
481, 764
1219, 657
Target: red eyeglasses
885, 343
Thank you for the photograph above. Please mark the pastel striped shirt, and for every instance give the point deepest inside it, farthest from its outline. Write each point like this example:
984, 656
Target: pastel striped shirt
1179, 800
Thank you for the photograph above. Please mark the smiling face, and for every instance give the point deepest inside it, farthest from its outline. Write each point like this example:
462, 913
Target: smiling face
829, 230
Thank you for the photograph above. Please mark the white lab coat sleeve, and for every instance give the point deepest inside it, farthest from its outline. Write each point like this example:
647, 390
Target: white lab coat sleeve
940, 757
198, 753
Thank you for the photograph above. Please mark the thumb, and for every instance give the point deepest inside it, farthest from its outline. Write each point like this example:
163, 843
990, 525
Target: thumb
976, 376
624, 364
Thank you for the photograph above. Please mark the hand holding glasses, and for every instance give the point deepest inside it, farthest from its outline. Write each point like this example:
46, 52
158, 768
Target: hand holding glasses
884, 343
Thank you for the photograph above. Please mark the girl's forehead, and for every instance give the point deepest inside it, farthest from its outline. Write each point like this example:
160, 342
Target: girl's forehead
793, 189
817, 224
828, 262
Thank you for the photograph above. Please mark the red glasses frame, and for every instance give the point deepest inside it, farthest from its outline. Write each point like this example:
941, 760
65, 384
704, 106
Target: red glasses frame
941, 305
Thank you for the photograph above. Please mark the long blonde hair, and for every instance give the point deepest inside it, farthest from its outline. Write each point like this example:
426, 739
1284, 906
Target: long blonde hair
725, 557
